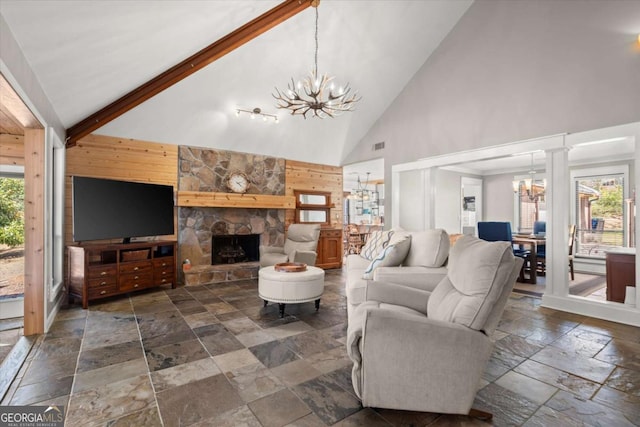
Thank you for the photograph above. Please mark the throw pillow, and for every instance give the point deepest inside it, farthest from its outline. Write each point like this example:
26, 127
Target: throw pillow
391, 256
376, 242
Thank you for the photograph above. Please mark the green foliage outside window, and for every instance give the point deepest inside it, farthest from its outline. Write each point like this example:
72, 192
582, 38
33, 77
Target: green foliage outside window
610, 202
12, 211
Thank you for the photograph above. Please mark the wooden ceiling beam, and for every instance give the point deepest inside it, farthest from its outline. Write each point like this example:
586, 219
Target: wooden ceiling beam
14, 112
173, 75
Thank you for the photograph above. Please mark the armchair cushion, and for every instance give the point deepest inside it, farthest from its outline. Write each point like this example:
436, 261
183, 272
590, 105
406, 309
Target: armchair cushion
299, 246
392, 255
478, 272
301, 237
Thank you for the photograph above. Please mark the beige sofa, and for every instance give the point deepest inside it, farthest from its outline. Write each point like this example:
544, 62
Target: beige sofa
422, 267
427, 351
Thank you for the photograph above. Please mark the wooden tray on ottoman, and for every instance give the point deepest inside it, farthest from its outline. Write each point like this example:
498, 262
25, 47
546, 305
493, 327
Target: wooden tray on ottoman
290, 267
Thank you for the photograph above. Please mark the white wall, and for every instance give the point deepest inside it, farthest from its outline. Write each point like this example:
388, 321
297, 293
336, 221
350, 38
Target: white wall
448, 201
513, 70
17, 70
412, 201
498, 196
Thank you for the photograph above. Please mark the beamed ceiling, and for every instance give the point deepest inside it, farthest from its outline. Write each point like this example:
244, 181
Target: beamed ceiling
88, 55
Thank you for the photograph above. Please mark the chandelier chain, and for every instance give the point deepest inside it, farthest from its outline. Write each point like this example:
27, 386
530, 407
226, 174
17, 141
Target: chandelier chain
315, 72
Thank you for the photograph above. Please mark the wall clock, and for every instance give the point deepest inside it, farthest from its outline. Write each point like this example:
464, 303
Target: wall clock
238, 182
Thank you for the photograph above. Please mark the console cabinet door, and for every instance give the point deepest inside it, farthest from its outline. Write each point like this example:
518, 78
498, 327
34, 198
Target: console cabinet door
330, 249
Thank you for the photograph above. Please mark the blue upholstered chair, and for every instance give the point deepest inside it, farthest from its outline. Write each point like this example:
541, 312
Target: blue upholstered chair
541, 254
495, 231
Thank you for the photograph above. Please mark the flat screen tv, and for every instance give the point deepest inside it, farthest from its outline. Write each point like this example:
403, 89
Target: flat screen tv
110, 209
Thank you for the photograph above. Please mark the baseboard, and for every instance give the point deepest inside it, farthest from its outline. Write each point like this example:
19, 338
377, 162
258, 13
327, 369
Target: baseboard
605, 310
11, 365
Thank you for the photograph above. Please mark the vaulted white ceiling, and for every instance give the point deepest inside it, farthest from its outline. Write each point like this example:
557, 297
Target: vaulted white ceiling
87, 54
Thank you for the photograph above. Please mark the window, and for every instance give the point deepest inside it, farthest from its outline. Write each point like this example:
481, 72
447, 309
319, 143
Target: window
599, 211
530, 204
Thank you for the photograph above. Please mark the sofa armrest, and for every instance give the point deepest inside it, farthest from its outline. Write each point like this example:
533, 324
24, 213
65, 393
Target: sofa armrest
392, 293
271, 249
403, 355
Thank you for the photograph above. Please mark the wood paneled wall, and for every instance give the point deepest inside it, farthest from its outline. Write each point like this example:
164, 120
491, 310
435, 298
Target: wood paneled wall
11, 150
311, 176
34, 212
142, 161
122, 159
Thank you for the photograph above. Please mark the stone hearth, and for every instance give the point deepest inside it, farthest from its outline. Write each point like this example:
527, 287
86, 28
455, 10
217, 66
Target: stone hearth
198, 225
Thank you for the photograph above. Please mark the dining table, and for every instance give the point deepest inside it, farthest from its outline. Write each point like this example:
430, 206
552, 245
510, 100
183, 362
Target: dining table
531, 241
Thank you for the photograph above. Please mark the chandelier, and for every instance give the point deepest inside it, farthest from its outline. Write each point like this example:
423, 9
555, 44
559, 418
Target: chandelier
361, 192
315, 94
532, 189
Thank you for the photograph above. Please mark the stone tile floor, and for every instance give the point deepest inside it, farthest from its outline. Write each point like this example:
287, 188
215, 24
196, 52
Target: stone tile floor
214, 356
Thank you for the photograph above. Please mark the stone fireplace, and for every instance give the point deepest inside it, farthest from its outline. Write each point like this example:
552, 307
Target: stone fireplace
201, 228
207, 170
234, 248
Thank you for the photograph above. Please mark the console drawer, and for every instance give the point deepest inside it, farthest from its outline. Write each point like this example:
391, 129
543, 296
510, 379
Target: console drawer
165, 262
132, 282
102, 282
163, 276
135, 267
331, 233
103, 291
104, 270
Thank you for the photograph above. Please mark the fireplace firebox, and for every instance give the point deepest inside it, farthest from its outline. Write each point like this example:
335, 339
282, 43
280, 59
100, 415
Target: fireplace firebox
233, 248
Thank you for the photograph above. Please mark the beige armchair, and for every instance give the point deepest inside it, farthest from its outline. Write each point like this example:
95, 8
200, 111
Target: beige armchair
422, 351
300, 246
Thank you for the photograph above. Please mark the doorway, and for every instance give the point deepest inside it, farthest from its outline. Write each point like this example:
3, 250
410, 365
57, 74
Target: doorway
11, 246
471, 189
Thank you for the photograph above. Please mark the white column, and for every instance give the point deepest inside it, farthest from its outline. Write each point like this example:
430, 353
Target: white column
429, 179
558, 201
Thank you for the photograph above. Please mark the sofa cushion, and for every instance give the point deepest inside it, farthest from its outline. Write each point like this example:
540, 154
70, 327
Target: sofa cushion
392, 255
429, 248
376, 242
477, 272
422, 278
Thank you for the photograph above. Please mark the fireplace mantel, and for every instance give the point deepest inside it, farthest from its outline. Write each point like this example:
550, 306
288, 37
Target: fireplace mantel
232, 200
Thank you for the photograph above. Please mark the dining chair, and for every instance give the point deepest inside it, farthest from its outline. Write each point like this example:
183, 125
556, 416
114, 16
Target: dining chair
572, 239
538, 228
355, 239
496, 231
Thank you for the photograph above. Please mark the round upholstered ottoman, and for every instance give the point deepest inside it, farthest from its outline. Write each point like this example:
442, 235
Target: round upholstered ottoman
290, 287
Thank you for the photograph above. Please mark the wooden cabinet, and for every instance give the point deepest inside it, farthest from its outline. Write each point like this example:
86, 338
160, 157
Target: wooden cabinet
621, 272
329, 249
104, 270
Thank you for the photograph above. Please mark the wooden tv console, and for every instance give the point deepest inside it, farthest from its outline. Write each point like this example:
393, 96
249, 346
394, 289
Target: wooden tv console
96, 271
